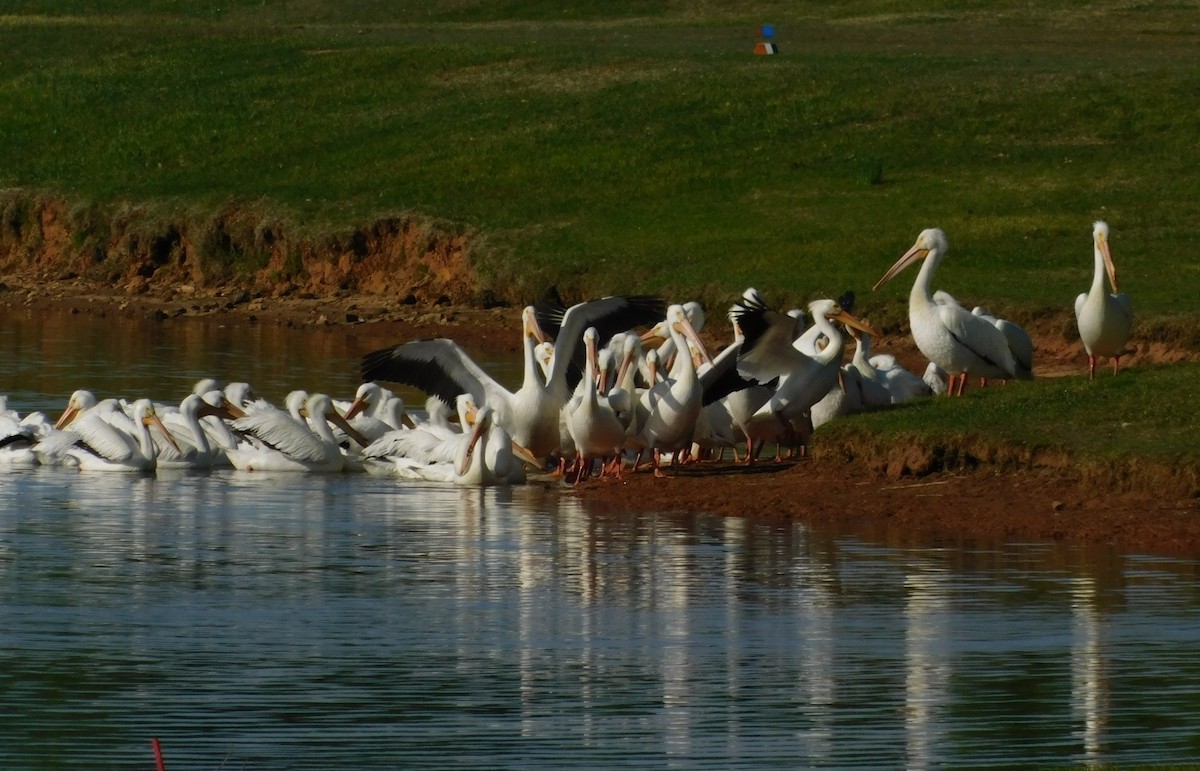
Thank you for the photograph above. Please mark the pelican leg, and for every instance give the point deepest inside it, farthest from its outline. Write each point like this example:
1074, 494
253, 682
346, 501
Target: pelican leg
1116, 363
658, 466
1091, 367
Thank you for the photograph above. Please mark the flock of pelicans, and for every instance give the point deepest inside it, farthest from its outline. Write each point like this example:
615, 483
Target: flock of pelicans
595, 397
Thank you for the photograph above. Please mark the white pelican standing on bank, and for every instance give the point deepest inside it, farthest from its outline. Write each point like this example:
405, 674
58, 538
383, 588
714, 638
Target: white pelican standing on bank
945, 332
593, 424
771, 350
673, 404
1105, 319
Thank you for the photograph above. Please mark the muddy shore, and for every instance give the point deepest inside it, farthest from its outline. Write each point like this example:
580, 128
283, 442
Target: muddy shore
980, 507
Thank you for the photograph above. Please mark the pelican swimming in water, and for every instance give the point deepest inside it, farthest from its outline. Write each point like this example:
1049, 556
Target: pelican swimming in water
196, 445
274, 440
1105, 319
948, 334
482, 453
105, 439
19, 435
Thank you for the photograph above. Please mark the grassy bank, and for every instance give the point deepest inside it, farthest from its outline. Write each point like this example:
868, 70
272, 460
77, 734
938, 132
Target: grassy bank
634, 146
1132, 431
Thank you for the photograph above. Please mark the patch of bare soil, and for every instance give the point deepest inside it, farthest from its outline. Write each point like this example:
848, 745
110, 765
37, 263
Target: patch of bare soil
980, 507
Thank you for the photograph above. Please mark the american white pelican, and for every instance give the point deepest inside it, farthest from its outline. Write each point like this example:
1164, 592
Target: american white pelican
593, 424
873, 384
195, 448
19, 435
485, 457
531, 414
1105, 319
375, 411
609, 315
274, 440
482, 454
443, 369
946, 333
728, 395
901, 384
667, 350
436, 441
769, 351
1019, 342
936, 378
103, 444
673, 404
845, 398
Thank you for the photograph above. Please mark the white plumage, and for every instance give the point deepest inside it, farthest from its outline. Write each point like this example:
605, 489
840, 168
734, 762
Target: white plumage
947, 334
1105, 319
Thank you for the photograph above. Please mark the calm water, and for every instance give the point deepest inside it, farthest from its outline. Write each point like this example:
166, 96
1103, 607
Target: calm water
334, 622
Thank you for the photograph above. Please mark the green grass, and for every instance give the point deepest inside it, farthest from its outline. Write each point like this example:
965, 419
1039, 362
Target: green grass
1143, 412
636, 146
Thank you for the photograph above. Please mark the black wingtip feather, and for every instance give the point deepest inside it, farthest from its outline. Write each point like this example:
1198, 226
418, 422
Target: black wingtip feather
391, 364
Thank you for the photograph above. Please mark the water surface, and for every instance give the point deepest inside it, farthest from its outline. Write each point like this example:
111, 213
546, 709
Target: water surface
344, 621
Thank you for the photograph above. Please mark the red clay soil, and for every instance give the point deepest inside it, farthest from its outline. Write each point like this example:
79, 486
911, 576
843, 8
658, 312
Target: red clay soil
977, 507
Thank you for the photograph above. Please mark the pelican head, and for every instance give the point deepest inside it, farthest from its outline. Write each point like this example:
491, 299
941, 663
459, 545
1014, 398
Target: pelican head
930, 241
215, 403
678, 319
143, 411
204, 385
320, 407
79, 402
834, 312
604, 368
239, 394
651, 367
530, 326
1100, 241
368, 395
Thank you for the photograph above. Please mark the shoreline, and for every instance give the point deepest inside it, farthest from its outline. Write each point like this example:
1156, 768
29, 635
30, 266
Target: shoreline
1055, 504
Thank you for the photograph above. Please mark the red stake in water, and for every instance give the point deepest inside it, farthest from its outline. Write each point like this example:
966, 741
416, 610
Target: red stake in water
158, 758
